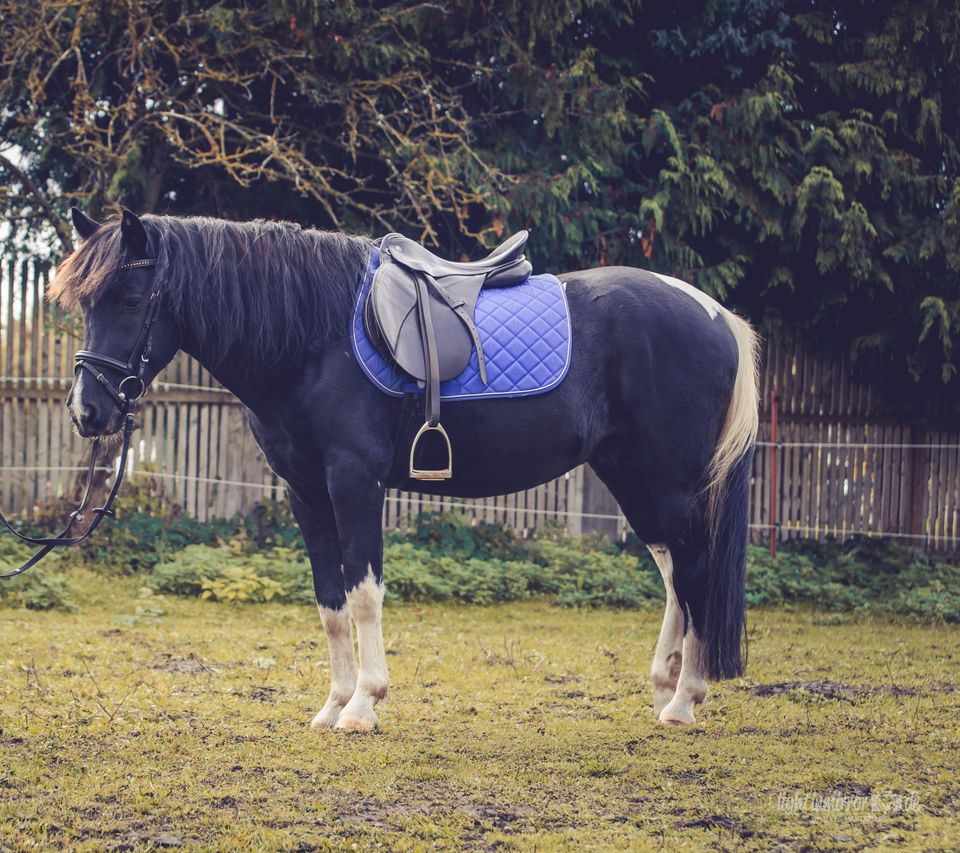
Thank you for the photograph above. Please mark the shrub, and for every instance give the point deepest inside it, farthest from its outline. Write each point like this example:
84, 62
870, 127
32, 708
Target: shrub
456, 533
44, 587
227, 573
237, 584
450, 557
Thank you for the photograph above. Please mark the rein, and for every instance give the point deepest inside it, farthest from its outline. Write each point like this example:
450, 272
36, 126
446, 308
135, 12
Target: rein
125, 396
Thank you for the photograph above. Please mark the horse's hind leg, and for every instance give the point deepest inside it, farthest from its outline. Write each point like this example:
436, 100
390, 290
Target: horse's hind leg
669, 653
682, 515
637, 505
319, 529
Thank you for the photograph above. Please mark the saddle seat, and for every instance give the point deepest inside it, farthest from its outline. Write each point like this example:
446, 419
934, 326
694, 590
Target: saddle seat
504, 266
420, 311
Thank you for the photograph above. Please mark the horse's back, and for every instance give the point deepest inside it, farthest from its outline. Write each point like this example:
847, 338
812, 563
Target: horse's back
670, 325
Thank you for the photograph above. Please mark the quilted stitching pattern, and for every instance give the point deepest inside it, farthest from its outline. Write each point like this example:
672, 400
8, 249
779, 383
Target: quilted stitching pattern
525, 331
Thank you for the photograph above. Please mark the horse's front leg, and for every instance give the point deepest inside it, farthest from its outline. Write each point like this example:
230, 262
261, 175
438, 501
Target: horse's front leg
318, 525
357, 498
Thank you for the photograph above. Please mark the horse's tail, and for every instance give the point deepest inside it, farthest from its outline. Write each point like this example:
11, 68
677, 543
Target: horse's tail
727, 494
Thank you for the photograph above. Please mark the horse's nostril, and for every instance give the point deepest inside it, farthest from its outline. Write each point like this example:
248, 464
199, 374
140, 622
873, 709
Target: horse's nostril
89, 415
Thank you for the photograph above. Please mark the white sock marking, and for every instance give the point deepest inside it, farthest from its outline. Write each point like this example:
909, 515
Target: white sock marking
668, 655
365, 603
343, 665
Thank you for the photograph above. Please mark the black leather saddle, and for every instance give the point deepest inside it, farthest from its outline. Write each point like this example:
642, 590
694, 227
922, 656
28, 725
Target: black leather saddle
420, 312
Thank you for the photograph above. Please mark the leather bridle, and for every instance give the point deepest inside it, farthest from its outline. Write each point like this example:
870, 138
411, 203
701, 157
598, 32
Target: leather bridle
125, 396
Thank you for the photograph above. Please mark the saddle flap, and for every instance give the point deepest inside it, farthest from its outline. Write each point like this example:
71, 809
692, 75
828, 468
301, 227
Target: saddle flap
393, 300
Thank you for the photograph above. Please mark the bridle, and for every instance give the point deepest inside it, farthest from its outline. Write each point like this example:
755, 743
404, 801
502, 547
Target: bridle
125, 396
134, 368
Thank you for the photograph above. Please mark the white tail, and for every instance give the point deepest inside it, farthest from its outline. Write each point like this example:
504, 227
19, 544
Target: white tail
739, 431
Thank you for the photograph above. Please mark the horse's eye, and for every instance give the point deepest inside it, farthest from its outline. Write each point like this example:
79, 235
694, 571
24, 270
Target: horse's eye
132, 300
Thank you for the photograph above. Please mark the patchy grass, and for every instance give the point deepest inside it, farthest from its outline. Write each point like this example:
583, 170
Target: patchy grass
140, 721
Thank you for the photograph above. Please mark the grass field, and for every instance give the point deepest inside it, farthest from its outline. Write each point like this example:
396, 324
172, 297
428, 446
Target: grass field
137, 723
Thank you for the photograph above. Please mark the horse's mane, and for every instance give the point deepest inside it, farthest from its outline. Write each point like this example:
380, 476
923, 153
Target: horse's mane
274, 287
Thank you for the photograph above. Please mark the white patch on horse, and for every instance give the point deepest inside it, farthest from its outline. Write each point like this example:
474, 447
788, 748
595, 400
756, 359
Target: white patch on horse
365, 604
669, 654
711, 306
343, 665
76, 399
691, 686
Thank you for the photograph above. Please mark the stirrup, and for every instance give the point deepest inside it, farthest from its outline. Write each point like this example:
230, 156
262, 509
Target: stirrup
431, 473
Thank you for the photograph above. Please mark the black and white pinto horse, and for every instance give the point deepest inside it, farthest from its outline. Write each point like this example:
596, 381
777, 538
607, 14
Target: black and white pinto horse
660, 399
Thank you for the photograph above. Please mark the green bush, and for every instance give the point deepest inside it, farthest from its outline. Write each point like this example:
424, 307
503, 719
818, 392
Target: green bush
450, 557
241, 584
228, 573
455, 533
859, 574
44, 587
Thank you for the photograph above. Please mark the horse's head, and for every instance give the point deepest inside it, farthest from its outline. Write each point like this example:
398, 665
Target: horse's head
128, 335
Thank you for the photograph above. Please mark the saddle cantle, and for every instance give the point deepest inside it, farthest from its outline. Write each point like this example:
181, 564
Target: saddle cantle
421, 310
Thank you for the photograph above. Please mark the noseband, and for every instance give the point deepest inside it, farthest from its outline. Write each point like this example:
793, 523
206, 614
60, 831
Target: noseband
125, 396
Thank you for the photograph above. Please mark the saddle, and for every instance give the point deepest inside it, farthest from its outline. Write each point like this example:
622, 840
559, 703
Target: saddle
421, 312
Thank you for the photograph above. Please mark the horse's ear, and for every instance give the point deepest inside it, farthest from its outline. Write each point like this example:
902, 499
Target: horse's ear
84, 224
133, 233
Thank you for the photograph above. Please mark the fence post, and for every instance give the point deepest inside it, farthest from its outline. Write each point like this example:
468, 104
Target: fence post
774, 485
918, 469
597, 500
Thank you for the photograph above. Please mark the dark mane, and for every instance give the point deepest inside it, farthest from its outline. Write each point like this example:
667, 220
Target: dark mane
274, 287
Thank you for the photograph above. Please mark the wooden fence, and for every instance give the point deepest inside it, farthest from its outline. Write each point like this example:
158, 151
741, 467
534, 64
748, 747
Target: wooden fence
845, 463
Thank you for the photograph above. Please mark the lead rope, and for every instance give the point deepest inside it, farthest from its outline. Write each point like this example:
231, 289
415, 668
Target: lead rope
125, 402
62, 538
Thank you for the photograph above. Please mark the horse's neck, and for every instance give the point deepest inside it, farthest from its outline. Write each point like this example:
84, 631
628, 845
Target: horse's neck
253, 384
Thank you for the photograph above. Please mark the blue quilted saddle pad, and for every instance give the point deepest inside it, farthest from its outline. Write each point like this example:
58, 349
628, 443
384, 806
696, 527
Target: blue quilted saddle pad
524, 329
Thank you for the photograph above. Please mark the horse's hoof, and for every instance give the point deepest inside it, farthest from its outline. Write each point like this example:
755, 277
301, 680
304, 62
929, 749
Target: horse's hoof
357, 723
327, 717
661, 698
677, 715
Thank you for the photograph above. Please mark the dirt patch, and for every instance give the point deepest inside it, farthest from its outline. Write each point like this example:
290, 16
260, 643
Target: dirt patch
261, 693
685, 775
829, 689
720, 822
499, 817
190, 665
853, 789
385, 814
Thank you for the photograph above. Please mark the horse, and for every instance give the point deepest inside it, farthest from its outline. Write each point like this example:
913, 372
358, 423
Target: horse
661, 399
